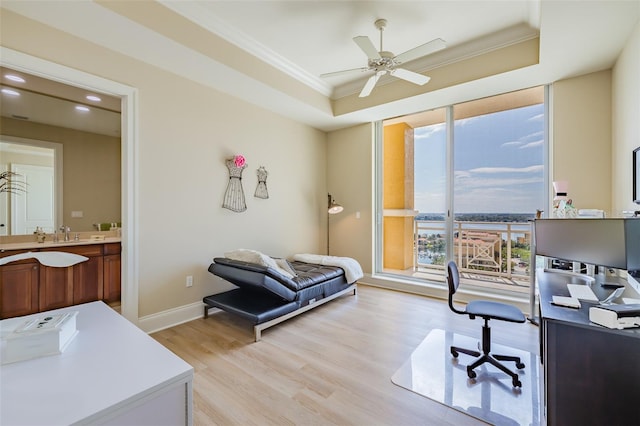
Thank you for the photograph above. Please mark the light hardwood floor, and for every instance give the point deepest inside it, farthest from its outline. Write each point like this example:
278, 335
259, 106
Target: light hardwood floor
331, 365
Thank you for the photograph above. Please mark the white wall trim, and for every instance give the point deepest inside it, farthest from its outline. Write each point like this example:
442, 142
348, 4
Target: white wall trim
440, 291
171, 317
129, 145
182, 314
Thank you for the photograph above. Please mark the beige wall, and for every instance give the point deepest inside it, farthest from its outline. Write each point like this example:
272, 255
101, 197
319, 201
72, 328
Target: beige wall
581, 141
626, 121
91, 171
350, 181
186, 131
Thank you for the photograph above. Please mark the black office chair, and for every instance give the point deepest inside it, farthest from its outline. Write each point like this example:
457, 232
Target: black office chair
486, 310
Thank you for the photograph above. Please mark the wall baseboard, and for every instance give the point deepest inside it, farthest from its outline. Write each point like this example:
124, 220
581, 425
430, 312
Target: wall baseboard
441, 291
171, 317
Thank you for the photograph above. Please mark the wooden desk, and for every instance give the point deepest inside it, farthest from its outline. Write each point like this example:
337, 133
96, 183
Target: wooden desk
591, 373
111, 373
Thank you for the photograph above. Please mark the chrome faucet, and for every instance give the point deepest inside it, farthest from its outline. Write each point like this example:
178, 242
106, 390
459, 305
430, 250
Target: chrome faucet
65, 230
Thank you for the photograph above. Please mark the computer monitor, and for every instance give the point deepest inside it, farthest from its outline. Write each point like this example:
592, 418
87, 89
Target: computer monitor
612, 243
636, 175
632, 232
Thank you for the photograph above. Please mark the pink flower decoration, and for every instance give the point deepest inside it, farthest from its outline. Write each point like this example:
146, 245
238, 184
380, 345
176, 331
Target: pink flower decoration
239, 160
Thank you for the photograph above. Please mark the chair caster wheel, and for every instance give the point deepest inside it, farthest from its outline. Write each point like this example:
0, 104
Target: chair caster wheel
471, 373
454, 353
519, 365
517, 383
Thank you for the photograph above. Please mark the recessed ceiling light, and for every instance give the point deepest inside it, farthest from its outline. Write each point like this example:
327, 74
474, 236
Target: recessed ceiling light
14, 77
82, 108
93, 98
10, 92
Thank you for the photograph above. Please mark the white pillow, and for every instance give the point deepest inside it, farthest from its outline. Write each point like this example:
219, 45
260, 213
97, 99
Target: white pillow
245, 255
253, 256
284, 264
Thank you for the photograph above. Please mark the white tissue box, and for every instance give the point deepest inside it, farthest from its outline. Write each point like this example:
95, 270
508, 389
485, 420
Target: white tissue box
42, 335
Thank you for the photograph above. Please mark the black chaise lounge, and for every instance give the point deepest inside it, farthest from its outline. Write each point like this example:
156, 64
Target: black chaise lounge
267, 297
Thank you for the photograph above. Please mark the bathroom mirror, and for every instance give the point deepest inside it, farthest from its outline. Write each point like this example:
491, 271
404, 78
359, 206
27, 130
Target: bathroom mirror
49, 124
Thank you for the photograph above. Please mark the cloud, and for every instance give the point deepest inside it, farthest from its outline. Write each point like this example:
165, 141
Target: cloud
537, 117
465, 121
471, 183
461, 174
428, 131
533, 144
487, 170
534, 135
512, 143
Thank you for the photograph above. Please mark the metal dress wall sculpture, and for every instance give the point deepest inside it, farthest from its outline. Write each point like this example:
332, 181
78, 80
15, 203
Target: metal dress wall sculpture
234, 195
261, 189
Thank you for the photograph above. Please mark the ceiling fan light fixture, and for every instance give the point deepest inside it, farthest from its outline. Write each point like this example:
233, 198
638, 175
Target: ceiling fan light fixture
382, 61
10, 92
15, 78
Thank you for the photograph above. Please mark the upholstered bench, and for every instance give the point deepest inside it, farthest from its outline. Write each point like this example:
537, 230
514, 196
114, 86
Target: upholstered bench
267, 296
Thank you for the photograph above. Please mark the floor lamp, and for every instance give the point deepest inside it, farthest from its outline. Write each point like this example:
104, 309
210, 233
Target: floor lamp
332, 208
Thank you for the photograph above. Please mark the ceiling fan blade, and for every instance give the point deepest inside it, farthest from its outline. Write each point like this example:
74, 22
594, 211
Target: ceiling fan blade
410, 76
370, 84
367, 47
351, 71
422, 50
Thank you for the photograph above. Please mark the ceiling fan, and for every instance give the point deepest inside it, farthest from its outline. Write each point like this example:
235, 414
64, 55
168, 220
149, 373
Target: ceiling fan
382, 62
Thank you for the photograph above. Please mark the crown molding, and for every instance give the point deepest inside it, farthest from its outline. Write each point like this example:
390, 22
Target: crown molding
200, 15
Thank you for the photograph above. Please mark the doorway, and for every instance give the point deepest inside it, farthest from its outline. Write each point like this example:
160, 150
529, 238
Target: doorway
129, 197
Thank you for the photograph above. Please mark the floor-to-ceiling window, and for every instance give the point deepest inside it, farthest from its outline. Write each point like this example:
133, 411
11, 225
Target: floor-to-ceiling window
462, 182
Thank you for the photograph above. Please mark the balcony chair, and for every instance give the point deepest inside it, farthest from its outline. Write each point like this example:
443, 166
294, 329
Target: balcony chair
486, 310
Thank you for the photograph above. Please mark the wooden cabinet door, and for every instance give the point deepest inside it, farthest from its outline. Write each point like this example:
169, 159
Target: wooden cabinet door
112, 280
56, 287
88, 281
73, 285
19, 289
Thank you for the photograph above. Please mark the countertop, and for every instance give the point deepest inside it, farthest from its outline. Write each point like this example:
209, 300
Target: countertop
30, 245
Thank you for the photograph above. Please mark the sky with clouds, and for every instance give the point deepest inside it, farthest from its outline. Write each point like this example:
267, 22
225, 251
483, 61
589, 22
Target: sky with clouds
498, 163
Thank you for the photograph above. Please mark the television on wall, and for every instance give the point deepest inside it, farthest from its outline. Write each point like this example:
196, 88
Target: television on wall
636, 175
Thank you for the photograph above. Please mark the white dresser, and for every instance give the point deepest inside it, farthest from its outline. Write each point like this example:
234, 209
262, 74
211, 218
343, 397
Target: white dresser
112, 373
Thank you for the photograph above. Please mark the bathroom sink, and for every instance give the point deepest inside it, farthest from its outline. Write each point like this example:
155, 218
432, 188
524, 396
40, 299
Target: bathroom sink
71, 241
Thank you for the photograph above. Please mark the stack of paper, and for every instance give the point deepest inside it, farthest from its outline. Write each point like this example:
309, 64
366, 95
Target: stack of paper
582, 292
570, 302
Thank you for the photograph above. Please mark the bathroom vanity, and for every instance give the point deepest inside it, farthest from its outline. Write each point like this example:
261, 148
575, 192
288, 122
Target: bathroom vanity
28, 287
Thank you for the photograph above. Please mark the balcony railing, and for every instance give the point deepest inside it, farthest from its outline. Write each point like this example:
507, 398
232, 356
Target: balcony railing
494, 252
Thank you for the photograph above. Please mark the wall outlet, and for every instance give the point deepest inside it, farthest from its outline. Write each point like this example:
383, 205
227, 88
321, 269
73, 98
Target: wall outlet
189, 281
